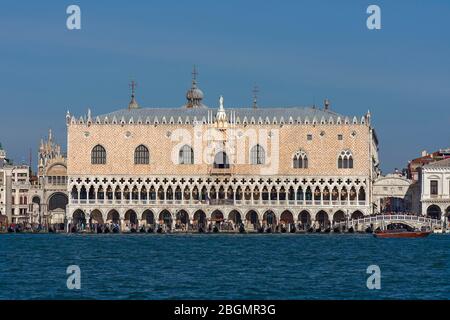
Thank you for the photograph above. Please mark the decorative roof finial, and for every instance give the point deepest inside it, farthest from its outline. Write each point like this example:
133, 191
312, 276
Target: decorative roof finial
133, 104
194, 77
326, 104
50, 135
368, 117
194, 95
255, 97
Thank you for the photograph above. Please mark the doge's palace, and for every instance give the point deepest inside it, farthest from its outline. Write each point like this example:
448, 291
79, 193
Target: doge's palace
195, 166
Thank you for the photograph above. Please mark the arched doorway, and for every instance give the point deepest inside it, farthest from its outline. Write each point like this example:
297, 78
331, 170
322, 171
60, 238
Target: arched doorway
113, 217
252, 218
221, 160
322, 219
217, 216
269, 218
148, 217
357, 215
57, 207
287, 217
200, 219
165, 217
339, 216
235, 217
434, 212
79, 219
182, 218
96, 217
304, 218
131, 217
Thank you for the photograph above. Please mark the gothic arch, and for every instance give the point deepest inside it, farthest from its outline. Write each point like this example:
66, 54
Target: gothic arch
96, 216
434, 212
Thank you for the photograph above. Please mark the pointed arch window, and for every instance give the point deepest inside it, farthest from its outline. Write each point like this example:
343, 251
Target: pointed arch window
345, 160
300, 160
98, 155
257, 155
141, 155
186, 155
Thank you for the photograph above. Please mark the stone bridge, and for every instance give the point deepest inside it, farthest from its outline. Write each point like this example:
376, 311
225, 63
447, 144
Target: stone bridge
382, 221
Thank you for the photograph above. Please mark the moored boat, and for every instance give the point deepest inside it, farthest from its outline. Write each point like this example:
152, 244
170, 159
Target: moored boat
402, 233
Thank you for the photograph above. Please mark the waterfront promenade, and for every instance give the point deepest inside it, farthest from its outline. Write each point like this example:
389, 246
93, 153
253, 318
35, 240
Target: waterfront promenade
362, 225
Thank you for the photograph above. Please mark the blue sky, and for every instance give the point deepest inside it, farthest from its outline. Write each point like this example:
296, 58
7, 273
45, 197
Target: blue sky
297, 52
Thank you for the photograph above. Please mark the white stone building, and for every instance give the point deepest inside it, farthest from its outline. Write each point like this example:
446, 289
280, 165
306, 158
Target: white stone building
396, 193
435, 197
14, 191
34, 201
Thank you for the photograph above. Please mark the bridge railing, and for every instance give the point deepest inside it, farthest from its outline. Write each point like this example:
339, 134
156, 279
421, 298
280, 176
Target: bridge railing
397, 217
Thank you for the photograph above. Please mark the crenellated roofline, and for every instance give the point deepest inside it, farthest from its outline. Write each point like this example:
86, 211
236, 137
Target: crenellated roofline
261, 116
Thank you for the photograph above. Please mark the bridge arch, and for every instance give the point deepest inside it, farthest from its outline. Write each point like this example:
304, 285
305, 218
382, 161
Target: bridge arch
400, 225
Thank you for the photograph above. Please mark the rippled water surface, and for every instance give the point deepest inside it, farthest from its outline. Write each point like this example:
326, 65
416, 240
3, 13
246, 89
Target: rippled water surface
274, 266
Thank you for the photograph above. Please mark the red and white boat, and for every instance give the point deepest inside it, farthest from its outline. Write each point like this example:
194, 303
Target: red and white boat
401, 233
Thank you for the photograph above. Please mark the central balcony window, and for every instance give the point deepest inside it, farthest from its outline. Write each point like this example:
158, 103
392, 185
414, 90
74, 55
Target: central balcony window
221, 164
